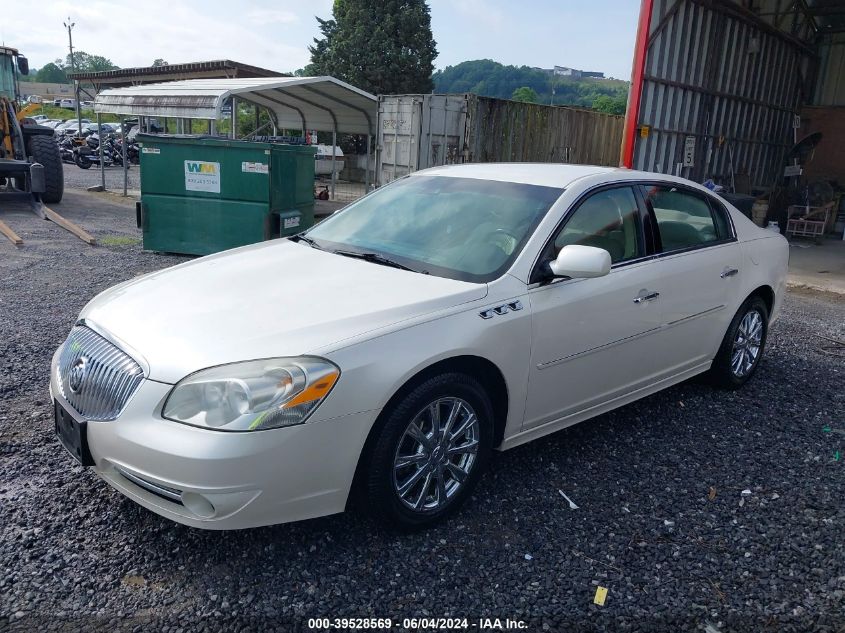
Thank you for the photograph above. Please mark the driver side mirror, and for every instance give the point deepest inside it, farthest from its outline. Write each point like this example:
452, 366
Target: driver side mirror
581, 262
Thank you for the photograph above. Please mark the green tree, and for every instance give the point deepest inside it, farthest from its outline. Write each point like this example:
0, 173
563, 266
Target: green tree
84, 62
51, 73
610, 105
526, 94
160, 62
488, 78
382, 46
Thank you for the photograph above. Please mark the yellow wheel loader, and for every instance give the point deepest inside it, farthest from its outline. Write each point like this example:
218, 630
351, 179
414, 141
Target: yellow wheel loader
30, 164
29, 156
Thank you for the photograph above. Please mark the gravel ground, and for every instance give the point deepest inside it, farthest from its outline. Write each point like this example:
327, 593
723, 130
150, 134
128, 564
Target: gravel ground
696, 508
78, 178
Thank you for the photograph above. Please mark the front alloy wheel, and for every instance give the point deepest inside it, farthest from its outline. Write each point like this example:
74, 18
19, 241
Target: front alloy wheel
436, 454
428, 451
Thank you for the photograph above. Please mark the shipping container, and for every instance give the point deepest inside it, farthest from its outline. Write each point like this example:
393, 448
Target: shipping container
420, 131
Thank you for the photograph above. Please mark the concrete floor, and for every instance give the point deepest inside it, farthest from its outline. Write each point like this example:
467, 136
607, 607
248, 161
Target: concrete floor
817, 266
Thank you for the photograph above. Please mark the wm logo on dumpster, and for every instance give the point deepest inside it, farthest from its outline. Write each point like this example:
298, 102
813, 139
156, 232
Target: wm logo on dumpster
201, 175
200, 167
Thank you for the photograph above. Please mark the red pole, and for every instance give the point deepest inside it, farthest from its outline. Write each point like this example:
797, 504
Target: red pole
632, 112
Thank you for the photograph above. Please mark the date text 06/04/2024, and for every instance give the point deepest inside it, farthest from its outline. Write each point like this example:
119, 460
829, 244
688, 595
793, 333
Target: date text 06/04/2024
479, 624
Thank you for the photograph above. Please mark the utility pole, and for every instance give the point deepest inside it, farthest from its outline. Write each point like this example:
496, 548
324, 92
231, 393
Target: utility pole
69, 26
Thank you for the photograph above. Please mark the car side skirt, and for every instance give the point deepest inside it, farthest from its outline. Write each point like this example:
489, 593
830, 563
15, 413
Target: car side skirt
585, 414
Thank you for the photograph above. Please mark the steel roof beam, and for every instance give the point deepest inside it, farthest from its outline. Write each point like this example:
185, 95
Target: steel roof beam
749, 17
717, 93
343, 103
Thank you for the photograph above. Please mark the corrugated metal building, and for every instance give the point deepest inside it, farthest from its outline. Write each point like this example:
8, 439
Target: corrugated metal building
720, 84
826, 112
830, 88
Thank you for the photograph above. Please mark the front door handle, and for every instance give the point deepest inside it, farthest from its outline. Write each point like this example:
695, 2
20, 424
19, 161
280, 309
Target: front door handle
729, 272
647, 297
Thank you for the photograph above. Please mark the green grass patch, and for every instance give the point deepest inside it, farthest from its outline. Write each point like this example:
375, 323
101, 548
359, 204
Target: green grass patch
118, 240
54, 112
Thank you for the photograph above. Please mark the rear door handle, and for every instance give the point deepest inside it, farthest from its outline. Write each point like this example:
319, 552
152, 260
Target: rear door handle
647, 297
729, 272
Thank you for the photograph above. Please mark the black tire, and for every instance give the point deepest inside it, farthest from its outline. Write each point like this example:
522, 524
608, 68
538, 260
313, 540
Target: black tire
380, 479
82, 164
723, 373
45, 150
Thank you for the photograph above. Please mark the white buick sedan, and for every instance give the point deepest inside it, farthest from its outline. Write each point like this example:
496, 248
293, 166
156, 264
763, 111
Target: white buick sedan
387, 351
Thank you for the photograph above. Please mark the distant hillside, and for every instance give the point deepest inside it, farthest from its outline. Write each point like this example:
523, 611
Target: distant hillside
492, 79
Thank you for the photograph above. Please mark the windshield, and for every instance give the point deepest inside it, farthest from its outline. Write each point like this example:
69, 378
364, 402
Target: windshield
460, 228
7, 77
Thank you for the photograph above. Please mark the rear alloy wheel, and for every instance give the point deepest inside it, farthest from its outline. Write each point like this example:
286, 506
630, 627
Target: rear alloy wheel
742, 347
431, 451
747, 344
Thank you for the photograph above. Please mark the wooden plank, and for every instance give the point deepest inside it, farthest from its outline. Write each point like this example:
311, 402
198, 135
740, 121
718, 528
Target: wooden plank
70, 226
13, 237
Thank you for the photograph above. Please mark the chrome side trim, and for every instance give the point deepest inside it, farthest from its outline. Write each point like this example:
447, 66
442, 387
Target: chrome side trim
592, 350
511, 306
534, 432
695, 316
171, 494
627, 339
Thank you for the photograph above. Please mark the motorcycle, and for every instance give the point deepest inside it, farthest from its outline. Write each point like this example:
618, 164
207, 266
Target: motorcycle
133, 153
114, 145
88, 153
66, 147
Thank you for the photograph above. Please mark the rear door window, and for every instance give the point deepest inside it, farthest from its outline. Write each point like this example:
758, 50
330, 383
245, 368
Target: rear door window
684, 219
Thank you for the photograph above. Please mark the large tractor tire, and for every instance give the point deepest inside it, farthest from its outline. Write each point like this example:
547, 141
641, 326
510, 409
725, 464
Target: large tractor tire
44, 150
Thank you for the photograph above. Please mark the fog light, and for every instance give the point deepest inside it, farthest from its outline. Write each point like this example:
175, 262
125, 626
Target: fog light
198, 504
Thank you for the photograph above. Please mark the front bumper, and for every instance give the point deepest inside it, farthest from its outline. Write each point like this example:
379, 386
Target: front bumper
218, 480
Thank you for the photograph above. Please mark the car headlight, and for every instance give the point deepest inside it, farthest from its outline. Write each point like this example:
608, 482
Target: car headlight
251, 396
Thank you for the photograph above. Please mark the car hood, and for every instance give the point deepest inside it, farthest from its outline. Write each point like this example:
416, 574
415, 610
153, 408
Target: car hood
272, 299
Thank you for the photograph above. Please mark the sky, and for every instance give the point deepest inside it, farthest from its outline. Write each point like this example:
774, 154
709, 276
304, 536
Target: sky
275, 34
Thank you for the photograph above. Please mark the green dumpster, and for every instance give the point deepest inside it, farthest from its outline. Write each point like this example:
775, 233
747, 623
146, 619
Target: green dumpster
201, 195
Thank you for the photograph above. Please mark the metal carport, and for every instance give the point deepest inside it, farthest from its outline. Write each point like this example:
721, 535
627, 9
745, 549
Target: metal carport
308, 103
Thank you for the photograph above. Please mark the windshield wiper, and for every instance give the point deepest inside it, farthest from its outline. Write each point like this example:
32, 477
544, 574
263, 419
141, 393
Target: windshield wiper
310, 241
375, 258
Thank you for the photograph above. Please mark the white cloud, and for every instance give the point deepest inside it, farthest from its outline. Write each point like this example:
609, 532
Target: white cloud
272, 15
271, 34
275, 34
484, 12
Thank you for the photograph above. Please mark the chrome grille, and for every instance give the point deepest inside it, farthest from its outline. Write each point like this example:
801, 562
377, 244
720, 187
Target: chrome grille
96, 377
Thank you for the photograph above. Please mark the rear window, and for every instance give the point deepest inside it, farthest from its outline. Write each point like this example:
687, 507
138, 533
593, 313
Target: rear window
684, 219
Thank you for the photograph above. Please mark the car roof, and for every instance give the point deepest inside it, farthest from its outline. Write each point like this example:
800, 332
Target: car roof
544, 174
558, 175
